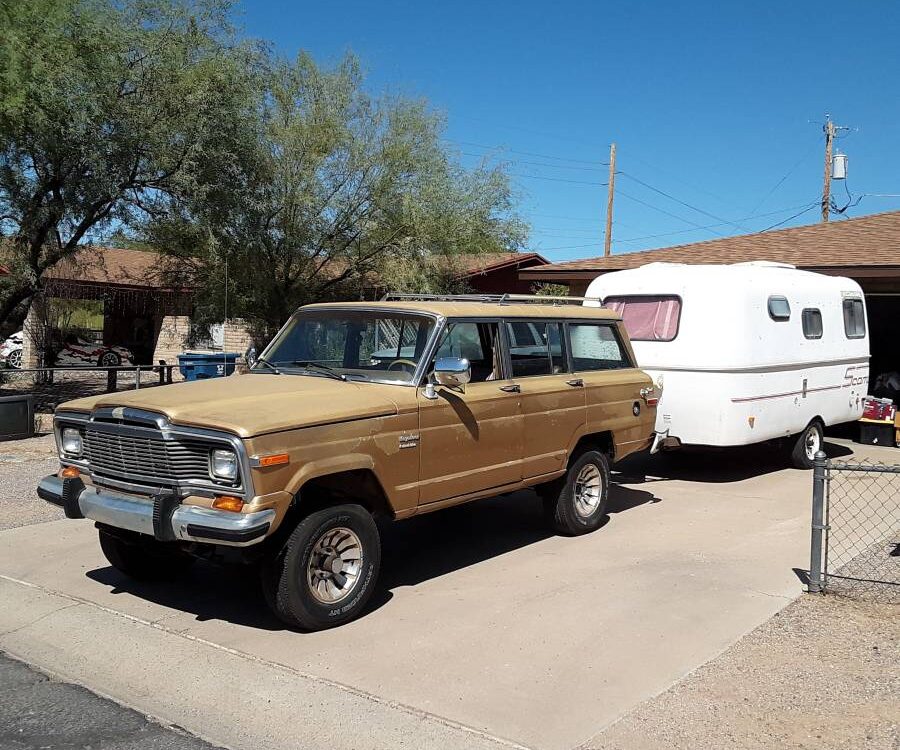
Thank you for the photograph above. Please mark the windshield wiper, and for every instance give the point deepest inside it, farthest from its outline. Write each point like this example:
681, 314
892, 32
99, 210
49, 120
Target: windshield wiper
267, 364
325, 369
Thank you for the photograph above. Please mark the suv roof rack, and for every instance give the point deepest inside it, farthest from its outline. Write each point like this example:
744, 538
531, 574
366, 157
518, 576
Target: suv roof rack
500, 299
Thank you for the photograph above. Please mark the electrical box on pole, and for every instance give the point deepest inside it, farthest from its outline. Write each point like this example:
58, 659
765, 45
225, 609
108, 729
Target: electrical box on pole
839, 167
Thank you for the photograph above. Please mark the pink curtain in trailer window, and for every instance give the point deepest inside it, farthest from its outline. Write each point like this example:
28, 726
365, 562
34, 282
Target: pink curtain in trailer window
648, 318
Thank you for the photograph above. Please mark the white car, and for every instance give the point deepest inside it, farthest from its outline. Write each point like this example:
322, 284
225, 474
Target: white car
75, 351
11, 351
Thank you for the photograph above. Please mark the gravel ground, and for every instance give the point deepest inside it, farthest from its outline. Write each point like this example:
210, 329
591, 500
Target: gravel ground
824, 673
22, 465
37, 712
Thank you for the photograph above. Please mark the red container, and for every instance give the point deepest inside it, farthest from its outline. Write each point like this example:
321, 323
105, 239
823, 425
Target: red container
878, 409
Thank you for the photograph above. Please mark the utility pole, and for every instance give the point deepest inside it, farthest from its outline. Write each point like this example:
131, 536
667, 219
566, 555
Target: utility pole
830, 130
828, 127
610, 191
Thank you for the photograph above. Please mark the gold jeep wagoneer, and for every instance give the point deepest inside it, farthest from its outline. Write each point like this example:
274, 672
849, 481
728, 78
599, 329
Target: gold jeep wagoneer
354, 412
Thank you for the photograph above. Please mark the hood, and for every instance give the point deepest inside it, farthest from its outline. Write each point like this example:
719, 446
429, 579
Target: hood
248, 405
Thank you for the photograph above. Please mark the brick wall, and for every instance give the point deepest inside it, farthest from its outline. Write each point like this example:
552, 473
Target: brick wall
236, 336
172, 338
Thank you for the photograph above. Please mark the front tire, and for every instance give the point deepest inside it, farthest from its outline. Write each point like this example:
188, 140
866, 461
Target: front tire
808, 443
326, 572
109, 359
579, 505
141, 557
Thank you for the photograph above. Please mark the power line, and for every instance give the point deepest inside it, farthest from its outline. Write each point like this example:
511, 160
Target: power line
710, 226
557, 179
679, 201
681, 181
594, 162
781, 181
668, 213
789, 218
540, 163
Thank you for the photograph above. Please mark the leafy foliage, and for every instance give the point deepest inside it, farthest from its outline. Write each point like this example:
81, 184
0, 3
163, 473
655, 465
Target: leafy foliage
342, 193
109, 113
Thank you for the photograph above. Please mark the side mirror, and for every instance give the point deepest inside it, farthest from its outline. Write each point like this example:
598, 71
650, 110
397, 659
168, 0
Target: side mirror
453, 372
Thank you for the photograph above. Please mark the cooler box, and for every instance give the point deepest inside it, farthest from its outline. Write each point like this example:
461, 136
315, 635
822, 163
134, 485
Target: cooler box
203, 365
880, 432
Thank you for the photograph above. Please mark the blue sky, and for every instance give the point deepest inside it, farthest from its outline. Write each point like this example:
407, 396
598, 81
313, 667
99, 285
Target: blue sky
717, 104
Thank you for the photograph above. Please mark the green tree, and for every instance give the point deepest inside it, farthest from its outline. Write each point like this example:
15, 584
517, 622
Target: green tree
110, 113
342, 192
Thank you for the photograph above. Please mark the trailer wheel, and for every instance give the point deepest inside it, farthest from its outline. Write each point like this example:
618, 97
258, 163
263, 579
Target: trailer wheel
808, 443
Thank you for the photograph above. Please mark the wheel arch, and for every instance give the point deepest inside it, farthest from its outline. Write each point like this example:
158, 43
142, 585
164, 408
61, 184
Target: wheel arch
603, 441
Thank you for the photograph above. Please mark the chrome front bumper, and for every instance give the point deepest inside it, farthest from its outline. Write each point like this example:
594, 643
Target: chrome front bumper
152, 517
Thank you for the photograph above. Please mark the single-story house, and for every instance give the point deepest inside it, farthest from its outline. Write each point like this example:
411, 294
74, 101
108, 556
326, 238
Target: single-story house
144, 313
866, 249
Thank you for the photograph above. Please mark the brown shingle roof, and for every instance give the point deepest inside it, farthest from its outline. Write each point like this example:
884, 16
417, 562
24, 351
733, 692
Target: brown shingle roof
478, 263
110, 265
867, 241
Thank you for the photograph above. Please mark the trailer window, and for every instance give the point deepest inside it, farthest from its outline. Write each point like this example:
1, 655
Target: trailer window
779, 308
596, 346
646, 317
812, 323
854, 318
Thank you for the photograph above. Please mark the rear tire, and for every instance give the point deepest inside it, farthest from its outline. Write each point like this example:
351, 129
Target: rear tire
808, 443
578, 506
109, 359
142, 557
325, 573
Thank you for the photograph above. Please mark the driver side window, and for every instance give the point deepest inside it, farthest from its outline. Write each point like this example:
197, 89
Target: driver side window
476, 342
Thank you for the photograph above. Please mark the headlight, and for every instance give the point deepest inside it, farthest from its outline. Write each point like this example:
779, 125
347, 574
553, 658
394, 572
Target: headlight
223, 464
70, 441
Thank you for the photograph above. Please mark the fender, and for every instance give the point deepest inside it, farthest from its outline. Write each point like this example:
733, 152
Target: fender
331, 465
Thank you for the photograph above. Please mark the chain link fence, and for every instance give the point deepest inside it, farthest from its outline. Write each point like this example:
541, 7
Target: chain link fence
856, 529
51, 386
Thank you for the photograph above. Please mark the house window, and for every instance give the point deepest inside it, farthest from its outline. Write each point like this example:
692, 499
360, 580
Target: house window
596, 346
779, 308
648, 317
854, 318
812, 323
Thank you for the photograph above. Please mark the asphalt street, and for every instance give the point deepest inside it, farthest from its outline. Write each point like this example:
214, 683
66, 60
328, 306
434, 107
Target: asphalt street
40, 713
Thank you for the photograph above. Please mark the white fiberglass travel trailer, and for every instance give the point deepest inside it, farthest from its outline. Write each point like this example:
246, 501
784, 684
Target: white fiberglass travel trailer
745, 353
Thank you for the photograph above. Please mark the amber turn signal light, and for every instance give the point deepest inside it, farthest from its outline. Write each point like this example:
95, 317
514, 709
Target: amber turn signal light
70, 472
228, 502
274, 459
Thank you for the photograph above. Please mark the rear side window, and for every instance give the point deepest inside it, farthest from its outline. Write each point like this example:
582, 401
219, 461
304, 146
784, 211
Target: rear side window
596, 346
779, 308
812, 323
854, 318
540, 352
648, 317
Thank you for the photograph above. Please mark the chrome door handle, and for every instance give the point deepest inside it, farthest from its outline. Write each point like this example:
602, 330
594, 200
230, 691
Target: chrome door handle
576, 383
514, 388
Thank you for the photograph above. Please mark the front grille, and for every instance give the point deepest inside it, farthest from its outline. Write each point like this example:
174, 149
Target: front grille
149, 460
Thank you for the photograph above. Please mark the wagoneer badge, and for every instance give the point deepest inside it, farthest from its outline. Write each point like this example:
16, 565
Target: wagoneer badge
409, 441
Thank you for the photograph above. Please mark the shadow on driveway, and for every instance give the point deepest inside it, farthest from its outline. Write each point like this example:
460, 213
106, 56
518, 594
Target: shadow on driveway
712, 465
414, 551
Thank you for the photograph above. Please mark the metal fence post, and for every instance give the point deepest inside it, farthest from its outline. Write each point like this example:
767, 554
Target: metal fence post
818, 523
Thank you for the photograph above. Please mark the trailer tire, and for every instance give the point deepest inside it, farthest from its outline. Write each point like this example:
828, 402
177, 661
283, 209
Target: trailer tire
808, 443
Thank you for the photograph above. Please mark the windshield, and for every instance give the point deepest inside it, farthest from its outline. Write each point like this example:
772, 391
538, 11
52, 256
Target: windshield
350, 344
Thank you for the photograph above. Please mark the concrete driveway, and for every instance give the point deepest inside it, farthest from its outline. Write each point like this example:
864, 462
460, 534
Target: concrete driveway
486, 632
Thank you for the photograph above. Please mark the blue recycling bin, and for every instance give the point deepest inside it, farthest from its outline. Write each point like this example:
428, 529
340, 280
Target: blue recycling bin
203, 365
